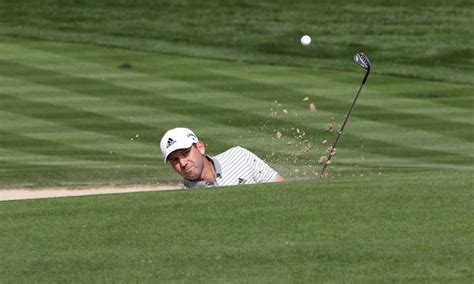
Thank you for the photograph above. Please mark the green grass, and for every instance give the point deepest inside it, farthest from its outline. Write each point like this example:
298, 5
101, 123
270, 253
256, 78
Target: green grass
432, 40
74, 116
88, 88
406, 228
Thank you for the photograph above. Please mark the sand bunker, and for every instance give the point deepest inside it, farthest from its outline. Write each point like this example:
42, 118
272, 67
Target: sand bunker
25, 193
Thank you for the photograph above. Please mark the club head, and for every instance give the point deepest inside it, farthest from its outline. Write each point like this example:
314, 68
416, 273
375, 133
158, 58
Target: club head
361, 59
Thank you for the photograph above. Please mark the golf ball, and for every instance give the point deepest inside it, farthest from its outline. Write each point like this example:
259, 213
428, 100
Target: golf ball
306, 40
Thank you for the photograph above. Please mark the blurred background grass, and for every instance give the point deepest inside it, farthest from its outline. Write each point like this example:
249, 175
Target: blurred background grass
432, 40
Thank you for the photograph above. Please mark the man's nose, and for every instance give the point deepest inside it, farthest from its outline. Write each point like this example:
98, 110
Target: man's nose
183, 162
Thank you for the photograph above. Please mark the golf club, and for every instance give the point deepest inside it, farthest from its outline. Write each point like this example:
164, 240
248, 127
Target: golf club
362, 60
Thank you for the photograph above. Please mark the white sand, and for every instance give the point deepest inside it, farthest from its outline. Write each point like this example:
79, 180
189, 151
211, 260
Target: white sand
25, 193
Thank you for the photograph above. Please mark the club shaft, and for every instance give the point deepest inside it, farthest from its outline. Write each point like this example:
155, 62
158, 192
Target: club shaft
341, 130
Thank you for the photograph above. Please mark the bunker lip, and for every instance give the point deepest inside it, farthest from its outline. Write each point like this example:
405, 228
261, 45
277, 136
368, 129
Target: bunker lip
50, 192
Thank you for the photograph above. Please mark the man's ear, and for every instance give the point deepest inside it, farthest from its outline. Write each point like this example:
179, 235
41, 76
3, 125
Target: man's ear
200, 146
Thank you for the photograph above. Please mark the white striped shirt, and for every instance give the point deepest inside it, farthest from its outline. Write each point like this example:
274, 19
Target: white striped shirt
236, 166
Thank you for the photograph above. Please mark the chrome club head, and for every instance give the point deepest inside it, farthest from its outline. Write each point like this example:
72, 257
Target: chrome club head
361, 59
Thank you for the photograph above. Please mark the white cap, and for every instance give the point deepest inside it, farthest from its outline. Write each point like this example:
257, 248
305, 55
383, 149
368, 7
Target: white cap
177, 138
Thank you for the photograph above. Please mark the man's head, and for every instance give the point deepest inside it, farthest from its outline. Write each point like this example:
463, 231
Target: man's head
184, 152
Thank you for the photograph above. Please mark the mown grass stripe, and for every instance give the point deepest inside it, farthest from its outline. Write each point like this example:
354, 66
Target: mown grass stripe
61, 60
162, 86
43, 158
34, 92
381, 90
406, 151
50, 147
43, 172
367, 151
49, 130
457, 96
177, 102
380, 165
74, 118
403, 136
215, 84
246, 88
95, 88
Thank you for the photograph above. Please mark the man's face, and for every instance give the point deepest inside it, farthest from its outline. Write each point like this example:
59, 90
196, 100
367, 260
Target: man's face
188, 162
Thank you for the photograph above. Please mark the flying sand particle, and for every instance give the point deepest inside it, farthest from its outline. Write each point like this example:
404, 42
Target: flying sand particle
322, 160
329, 127
305, 99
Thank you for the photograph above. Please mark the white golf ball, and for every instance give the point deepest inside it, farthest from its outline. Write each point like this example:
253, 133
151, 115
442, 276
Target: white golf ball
306, 40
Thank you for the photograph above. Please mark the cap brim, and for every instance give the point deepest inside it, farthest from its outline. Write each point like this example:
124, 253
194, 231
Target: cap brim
177, 146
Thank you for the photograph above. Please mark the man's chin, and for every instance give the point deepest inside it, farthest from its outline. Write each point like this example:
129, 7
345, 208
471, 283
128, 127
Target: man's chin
191, 176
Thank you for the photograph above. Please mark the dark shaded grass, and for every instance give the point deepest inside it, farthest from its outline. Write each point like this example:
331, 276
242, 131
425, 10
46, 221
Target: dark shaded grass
409, 38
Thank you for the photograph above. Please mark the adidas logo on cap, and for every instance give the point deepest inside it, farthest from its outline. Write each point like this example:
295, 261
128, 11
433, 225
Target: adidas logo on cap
170, 142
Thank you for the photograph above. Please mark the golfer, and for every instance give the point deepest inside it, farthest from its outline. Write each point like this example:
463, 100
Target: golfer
187, 156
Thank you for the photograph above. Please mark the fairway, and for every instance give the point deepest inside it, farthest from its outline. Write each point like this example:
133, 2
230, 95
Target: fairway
75, 116
88, 88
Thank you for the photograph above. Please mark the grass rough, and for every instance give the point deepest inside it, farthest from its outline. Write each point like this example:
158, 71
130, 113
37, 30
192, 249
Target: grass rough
364, 229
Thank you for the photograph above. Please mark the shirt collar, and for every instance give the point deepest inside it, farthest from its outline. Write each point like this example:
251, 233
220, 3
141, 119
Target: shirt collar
217, 166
